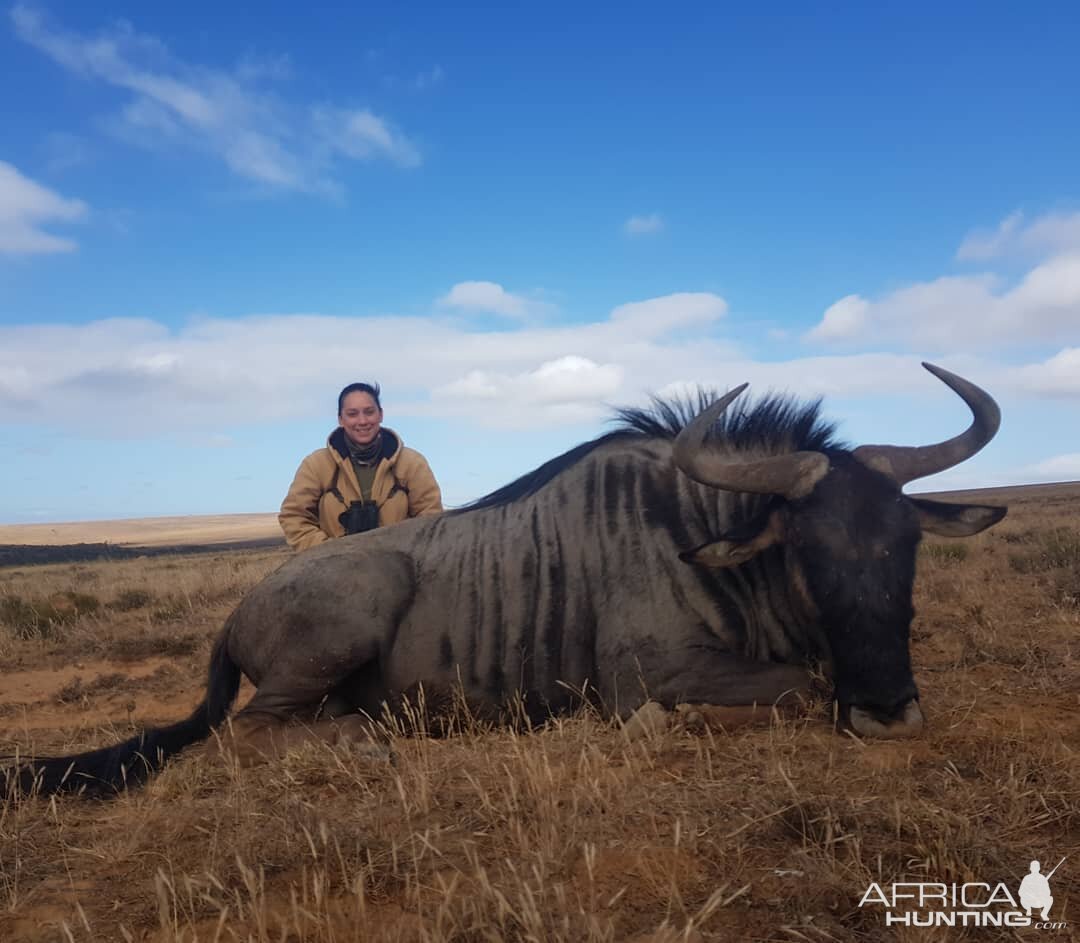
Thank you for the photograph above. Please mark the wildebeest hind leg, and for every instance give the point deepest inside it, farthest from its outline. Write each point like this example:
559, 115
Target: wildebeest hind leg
247, 745
284, 714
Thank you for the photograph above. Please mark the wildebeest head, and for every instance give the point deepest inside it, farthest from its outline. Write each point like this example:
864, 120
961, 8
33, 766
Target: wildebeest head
849, 538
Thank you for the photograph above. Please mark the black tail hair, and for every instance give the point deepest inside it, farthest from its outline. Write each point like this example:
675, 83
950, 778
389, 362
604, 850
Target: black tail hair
109, 770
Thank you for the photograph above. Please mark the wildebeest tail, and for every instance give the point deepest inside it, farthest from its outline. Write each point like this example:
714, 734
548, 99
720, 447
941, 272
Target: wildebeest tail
110, 769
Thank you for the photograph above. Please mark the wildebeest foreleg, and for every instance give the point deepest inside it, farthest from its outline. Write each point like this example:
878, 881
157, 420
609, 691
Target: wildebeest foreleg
652, 719
726, 680
720, 692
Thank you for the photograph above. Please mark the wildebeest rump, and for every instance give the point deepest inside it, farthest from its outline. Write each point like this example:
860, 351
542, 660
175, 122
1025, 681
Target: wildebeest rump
694, 554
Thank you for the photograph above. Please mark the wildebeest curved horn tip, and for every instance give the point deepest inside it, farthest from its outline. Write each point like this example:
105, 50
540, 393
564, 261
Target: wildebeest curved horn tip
904, 464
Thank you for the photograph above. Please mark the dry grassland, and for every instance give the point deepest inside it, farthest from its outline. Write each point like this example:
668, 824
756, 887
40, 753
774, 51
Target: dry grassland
147, 531
570, 833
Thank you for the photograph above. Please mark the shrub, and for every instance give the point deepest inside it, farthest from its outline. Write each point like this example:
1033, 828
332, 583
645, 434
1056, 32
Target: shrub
40, 617
131, 599
170, 610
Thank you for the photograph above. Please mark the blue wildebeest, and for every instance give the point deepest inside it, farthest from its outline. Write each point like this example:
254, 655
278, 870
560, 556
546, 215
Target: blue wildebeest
683, 558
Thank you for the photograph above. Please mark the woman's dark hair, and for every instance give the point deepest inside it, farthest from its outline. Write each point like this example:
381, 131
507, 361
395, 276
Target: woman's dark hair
372, 389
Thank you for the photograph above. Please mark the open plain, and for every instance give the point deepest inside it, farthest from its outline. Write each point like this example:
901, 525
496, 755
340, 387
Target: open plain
568, 833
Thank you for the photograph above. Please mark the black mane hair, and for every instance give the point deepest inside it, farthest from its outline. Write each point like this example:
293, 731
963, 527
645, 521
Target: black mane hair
774, 423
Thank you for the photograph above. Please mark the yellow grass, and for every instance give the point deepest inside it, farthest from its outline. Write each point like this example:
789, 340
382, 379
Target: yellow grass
567, 834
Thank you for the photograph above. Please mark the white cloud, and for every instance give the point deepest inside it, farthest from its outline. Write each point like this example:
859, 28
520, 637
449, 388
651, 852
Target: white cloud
570, 382
979, 310
1057, 377
964, 311
25, 206
546, 380
843, 319
643, 225
1059, 468
227, 113
679, 310
1052, 233
486, 296
216, 371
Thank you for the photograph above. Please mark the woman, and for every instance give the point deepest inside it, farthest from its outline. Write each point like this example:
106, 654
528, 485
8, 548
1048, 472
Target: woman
364, 477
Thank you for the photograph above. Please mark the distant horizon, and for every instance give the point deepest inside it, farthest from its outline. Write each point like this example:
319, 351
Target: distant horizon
12, 526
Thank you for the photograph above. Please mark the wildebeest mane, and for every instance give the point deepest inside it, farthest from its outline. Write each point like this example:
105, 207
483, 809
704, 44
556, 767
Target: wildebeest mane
774, 424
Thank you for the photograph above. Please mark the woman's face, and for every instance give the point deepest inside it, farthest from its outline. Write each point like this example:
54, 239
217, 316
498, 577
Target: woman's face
360, 417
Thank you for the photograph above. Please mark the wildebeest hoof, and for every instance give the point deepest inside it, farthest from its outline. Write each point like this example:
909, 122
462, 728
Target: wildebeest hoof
649, 720
909, 724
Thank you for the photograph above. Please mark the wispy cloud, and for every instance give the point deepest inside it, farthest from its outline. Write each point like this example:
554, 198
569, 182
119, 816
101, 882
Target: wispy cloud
429, 79
982, 310
643, 225
1050, 234
25, 206
228, 113
64, 151
361, 135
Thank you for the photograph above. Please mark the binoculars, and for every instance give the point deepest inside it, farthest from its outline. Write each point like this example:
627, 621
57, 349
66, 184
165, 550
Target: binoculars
360, 516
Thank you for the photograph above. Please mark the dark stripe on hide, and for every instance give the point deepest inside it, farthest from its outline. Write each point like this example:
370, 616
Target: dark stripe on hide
612, 509
554, 618
526, 603
475, 557
497, 629
589, 496
661, 508
446, 652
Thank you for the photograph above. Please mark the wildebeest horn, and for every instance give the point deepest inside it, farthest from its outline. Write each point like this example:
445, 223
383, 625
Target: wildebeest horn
904, 464
793, 475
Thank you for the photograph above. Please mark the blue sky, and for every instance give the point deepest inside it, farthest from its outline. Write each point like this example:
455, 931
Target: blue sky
514, 219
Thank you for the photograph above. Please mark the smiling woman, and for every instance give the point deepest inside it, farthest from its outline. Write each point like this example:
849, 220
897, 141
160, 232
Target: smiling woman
364, 478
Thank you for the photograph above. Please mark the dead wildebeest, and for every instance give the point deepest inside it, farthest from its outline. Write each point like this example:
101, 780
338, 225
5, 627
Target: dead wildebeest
704, 559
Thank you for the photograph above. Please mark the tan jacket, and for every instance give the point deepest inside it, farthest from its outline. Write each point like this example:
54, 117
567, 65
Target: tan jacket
404, 487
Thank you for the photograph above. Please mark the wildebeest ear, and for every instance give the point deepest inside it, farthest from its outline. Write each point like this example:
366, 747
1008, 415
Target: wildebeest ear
734, 549
956, 520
